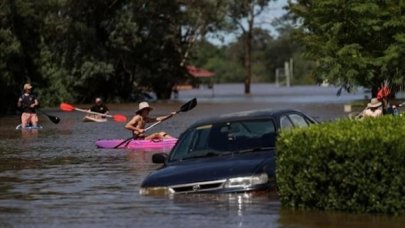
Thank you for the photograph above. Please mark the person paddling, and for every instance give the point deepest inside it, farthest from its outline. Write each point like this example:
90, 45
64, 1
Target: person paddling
99, 107
138, 122
28, 104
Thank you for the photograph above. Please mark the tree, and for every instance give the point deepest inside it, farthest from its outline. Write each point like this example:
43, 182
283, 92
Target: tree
268, 54
284, 48
10, 52
168, 31
259, 66
19, 42
76, 50
227, 61
241, 11
353, 42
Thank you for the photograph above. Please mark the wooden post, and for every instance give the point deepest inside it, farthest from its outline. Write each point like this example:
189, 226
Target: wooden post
287, 73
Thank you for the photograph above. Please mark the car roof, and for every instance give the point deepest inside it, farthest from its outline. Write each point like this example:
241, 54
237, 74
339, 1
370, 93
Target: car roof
250, 114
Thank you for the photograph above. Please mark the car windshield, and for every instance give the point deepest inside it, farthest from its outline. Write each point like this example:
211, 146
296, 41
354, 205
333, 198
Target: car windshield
220, 139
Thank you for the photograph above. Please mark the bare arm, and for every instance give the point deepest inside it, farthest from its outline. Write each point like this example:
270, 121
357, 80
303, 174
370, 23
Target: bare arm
163, 118
34, 104
131, 125
160, 118
19, 102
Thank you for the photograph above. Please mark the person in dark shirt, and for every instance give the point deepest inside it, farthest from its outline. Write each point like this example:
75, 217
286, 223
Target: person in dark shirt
28, 104
99, 107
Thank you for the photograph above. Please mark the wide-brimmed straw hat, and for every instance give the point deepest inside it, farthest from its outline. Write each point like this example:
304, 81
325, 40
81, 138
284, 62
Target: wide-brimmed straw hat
27, 86
142, 106
374, 103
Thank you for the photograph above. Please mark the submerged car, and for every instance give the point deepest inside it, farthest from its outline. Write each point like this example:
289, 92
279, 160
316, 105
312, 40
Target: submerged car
230, 153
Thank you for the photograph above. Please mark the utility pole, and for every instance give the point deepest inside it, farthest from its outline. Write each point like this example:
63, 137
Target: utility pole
287, 73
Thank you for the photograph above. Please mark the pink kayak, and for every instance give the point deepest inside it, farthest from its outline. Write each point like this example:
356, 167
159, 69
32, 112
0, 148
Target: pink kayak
164, 144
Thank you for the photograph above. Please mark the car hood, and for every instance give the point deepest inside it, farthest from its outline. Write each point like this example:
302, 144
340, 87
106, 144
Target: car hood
213, 168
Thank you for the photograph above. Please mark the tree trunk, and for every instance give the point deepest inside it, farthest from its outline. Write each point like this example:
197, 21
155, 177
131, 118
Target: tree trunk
248, 47
248, 61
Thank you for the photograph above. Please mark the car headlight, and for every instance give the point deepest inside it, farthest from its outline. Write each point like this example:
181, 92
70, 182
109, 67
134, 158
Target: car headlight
246, 182
155, 191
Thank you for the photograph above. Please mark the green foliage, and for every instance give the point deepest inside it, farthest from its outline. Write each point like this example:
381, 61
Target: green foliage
76, 50
348, 165
268, 54
353, 42
12, 76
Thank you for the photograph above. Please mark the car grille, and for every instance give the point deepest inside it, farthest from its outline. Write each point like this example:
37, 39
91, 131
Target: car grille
198, 186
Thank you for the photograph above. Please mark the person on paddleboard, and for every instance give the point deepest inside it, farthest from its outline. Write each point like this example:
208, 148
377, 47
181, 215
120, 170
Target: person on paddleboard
99, 107
28, 103
138, 122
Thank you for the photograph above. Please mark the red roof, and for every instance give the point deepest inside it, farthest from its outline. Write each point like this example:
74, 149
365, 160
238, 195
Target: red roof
199, 73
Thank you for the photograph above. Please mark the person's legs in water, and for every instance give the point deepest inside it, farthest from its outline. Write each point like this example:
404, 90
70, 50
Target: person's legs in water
25, 119
34, 119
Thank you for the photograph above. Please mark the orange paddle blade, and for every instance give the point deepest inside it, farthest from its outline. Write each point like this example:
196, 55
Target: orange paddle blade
120, 118
66, 107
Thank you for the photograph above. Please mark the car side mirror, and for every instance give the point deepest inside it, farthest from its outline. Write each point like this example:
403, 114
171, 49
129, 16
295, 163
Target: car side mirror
159, 158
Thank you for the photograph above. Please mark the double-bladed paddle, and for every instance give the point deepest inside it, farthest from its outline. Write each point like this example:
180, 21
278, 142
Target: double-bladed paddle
54, 119
184, 108
69, 108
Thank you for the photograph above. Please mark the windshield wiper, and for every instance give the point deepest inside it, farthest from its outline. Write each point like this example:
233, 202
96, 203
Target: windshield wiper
255, 149
210, 154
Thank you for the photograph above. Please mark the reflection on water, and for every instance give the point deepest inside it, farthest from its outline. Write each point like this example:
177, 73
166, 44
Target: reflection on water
29, 133
57, 177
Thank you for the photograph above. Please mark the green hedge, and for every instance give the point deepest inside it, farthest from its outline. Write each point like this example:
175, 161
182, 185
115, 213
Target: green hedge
348, 165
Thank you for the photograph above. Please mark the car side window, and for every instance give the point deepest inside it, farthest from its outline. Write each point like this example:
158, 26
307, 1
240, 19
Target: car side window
285, 122
298, 121
192, 142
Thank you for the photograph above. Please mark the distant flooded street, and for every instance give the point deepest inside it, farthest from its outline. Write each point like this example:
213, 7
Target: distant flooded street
56, 177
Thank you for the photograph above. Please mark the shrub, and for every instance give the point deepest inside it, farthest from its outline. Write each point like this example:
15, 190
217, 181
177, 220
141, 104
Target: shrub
348, 165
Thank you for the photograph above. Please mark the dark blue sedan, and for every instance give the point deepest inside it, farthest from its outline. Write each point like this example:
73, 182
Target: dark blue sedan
228, 153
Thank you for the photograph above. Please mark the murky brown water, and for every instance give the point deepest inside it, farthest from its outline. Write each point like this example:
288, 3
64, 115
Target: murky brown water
56, 177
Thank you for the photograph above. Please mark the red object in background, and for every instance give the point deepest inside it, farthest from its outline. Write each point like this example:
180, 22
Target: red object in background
69, 108
199, 73
384, 92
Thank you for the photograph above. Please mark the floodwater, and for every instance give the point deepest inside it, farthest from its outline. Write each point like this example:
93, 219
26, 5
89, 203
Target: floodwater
56, 177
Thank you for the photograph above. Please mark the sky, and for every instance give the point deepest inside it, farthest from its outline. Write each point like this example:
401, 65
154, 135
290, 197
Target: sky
272, 12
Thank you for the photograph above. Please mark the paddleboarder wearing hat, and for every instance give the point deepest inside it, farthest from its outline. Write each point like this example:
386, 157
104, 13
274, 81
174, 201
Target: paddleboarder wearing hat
28, 104
138, 122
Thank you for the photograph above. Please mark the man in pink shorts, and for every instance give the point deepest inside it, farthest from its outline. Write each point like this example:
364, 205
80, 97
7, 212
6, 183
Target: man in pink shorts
28, 103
